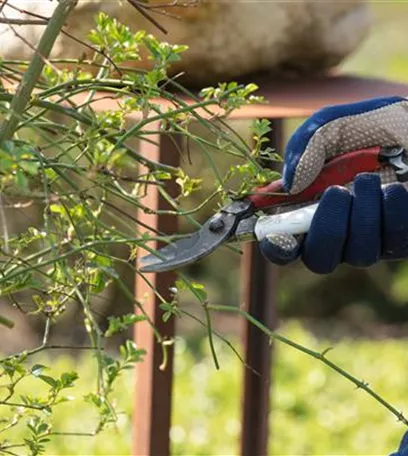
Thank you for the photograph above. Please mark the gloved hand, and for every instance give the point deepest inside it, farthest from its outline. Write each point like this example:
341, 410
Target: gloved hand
358, 225
403, 448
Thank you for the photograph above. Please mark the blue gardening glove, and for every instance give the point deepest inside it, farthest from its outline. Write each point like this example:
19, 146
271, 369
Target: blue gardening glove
403, 448
358, 225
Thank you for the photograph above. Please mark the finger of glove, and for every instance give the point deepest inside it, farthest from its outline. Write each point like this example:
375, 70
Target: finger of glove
280, 249
403, 448
324, 244
363, 246
395, 222
339, 129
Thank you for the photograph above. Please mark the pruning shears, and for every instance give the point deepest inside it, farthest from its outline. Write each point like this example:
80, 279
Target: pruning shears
240, 221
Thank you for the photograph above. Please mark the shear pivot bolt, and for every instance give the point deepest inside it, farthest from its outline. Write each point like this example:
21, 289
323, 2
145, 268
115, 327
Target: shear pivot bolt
216, 224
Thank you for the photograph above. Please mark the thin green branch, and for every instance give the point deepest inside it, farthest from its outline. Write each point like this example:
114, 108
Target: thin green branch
321, 356
210, 335
28, 406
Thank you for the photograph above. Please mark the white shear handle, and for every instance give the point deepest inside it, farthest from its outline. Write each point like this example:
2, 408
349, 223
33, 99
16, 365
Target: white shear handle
293, 222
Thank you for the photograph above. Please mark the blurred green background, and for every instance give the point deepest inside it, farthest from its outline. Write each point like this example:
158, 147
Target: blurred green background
314, 411
362, 313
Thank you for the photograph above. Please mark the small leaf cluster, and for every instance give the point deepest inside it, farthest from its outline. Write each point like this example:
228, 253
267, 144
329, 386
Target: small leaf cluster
113, 368
232, 95
34, 412
258, 170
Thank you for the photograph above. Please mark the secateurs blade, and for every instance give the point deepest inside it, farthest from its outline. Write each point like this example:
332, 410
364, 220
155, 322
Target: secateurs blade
238, 220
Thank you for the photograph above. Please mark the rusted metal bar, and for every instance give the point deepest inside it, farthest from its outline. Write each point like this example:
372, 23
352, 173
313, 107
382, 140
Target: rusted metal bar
259, 292
153, 398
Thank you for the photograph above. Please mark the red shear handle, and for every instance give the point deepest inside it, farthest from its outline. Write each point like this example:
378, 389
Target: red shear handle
339, 171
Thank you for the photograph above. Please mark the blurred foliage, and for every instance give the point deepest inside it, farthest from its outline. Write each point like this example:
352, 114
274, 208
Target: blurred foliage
314, 411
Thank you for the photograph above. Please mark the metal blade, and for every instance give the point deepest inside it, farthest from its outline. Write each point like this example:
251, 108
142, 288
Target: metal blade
245, 231
193, 248
169, 251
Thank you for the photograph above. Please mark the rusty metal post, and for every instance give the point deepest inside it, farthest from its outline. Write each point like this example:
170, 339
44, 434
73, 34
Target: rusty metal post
152, 411
259, 280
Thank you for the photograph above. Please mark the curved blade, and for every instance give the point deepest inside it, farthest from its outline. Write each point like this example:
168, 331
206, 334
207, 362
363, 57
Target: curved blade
245, 231
192, 248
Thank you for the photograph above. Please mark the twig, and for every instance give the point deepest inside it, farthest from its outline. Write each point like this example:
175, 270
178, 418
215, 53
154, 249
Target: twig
21, 10
27, 43
74, 434
41, 348
93, 49
3, 4
15, 404
210, 333
3, 221
27, 85
314, 354
223, 339
143, 12
22, 21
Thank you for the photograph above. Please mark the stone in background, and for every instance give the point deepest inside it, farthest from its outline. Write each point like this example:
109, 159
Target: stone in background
227, 39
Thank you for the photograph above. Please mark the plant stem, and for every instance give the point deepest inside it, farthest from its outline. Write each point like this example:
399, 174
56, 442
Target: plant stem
27, 85
210, 337
314, 354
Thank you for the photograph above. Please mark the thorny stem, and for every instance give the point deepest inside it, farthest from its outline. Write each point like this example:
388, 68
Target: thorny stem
221, 337
321, 356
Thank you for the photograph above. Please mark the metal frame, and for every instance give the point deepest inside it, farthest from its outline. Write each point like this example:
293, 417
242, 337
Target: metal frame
259, 279
152, 416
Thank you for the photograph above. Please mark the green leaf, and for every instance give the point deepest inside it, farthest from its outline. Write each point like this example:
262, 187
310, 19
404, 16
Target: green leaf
131, 353
21, 180
94, 399
187, 184
6, 322
49, 380
162, 175
181, 285
30, 167
56, 208
166, 306
261, 127
68, 378
43, 427
119, 324
37, 369
199, 291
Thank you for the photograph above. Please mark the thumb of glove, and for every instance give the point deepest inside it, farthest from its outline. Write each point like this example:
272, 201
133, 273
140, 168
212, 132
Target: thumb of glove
281, 249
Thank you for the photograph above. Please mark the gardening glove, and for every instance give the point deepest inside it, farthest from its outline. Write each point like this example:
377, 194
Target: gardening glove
358, 224
403, 448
